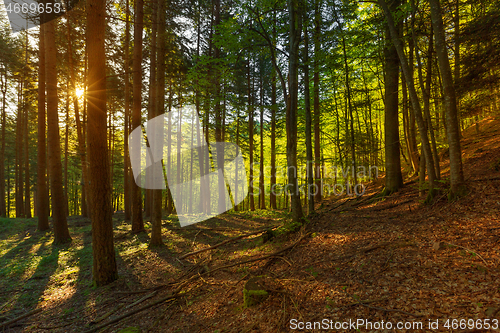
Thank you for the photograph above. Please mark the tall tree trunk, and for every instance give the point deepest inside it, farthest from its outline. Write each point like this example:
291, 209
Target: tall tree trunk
61, 232
3, 88
317, 111
450, 101
126, 157
156, 239
307, 104
250, 135
27, 187
104, 268
19, 154
413, 97
179, 199
137, 221
221, 204
295, 28
426, 91
393, 178
262, 194
66, 143
152, 105
456, 23
236, 174
274, 106
351, 117
42, 199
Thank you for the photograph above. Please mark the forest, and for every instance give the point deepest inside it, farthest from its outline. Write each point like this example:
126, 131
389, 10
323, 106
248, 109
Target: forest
249, 165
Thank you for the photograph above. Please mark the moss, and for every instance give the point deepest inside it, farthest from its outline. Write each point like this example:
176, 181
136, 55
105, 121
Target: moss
253, 297
253, 292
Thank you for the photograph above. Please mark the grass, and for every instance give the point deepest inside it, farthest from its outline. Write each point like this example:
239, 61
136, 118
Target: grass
32, 268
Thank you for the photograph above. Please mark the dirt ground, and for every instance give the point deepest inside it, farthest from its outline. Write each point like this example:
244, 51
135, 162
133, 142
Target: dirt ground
366, 260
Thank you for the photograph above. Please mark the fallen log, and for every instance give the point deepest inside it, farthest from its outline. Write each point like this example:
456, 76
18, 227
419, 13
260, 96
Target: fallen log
26, 315
259, 258
228, 241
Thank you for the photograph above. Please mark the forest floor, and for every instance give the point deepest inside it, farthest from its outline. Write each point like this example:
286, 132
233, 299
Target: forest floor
392, 259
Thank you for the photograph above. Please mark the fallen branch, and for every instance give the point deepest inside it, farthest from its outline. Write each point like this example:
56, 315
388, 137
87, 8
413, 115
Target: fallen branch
176, 292
26, 315
57, 326
106, 315
376, 209
485, 179
477, 254
342, 203
227, 241
259, 258
141, 300
128, 314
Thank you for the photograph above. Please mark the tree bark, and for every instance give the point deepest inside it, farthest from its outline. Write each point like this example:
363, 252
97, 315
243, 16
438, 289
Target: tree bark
307, 104
104, 267
449, 100
42, 199
274, 106
61, 232
393, 178
295, 28
413, 96
250, 136
126, 157
316, 105
262, 195
3, 89
19, 155
156, 238
137, 221
272, 194
426, 91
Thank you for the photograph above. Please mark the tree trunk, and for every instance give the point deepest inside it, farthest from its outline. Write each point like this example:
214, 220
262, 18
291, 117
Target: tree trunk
19, 155
42, 199
274, 106
262, 195
104, 264
291, 119
413, 97
126, 156
27, 187
137, 221
317, 111
426, 91
307, 104
450, 101
61, 232
156, 239
393, 177
3, 88
250, 136
66, 142
272, 194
